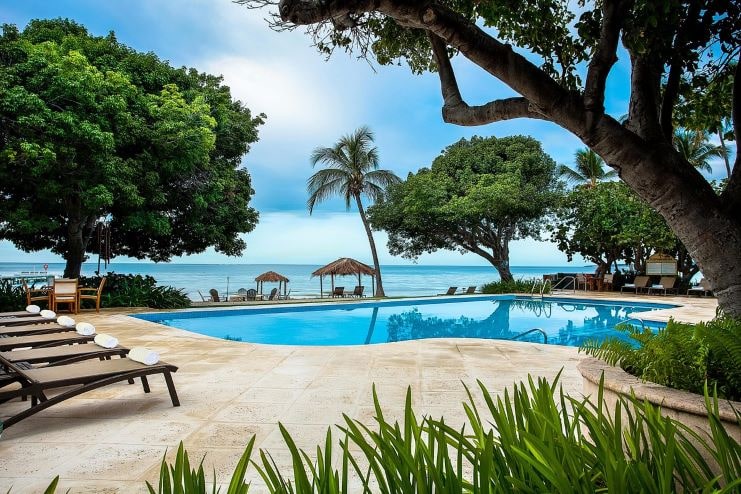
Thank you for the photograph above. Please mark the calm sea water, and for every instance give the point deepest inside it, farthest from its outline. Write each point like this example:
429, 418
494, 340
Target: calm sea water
397, 280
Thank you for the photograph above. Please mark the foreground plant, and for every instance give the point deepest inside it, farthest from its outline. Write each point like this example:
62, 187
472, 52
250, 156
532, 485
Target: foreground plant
533, 438
681, 356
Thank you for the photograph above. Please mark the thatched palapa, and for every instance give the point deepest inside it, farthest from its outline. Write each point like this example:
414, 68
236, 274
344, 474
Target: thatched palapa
272, 277
344, 266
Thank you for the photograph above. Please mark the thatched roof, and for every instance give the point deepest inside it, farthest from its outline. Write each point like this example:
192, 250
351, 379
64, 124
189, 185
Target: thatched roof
344, 266
271, 277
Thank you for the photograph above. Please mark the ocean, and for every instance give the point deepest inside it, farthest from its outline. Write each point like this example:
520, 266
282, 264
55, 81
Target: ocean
398, 280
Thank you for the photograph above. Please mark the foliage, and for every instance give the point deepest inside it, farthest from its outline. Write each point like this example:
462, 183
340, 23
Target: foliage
520, 285
180, 478
533, 438
129, 290
351, 171
478, 196
695, 148
590, 169
681, 356
12, 298
92, 129
607, 223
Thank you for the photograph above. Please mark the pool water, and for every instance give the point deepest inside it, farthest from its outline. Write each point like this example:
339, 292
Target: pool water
565, 322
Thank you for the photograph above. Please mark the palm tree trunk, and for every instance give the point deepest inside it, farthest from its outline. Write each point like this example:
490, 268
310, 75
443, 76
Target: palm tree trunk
376, 266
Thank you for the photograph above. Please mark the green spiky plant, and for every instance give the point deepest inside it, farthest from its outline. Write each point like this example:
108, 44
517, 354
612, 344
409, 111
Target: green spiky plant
532, 438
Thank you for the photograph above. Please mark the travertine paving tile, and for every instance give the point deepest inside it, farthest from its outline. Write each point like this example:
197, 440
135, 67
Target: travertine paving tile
113, 439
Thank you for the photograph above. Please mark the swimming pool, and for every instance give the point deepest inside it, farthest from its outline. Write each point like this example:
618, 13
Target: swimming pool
564, 321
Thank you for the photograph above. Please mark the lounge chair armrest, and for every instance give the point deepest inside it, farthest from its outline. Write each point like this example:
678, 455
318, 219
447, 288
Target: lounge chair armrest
94, 290
38, 290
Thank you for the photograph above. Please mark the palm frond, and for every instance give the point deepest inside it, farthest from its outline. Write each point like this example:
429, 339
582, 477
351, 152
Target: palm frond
571, 175
324, 184
382, 178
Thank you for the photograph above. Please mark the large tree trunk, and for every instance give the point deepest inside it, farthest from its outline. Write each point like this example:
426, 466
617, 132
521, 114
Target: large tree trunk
376, 265
76, 246
503, 269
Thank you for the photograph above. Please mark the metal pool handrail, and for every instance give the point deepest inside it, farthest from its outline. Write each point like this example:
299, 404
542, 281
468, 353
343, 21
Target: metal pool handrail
545, 336
572, 278
643, 323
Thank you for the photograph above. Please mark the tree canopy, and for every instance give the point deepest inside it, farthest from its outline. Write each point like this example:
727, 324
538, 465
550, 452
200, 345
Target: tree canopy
478, 196
557, 57
91, 129
608, 223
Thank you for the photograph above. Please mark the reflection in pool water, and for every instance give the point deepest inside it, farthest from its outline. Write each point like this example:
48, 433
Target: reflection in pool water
565, 322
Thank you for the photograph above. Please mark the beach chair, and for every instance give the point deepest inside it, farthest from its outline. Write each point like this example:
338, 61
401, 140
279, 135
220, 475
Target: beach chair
339, 291
451, 291
470, 290
214, 295
581, 280
273, 294
639, 283
701, 290
65, 292
77, 378
250, 294
666, 283
43, 340
25, 321
91, 294
29, 329
36, 294
358, 291
607, 281
18, 313
285, 296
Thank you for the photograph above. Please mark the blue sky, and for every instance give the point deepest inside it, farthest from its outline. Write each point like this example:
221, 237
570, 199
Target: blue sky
310, 102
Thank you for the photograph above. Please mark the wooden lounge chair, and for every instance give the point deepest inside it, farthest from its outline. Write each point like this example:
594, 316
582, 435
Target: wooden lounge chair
65, 292
451, 291
339, 291
214, 295
470, 290
6, 331
666, 283
640, 283
607, 281
25, 321
79, 378
581, 280
37, 294
91, 294
18, 313
251, 294
43, 340
701, 290
358, 291
273, 294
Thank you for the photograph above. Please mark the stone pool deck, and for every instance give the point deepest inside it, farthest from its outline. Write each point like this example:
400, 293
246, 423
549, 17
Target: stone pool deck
113, 439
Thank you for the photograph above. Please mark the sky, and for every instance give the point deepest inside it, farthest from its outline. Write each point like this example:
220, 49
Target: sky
311, 102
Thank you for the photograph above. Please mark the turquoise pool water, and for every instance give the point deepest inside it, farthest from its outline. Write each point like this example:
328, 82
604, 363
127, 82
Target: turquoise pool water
565, 321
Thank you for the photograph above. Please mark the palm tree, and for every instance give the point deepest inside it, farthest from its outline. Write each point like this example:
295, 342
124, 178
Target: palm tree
589, 169
695, 148
351, 171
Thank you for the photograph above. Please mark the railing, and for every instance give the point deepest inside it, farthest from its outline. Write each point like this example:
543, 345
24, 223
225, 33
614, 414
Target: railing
545, 336
565, 278
542, 284
643, 323
542, 288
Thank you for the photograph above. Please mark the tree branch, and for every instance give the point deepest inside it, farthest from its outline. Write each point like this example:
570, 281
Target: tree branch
671, 90
731, 196
605, 56
498, 59
457, 111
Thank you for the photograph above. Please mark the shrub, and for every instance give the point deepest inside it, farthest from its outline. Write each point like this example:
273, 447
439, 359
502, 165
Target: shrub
534, 438
135, 290
12, 298
522, 285
681, 356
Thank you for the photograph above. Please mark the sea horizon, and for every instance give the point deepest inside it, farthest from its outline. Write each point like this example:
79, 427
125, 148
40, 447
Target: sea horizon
227, 278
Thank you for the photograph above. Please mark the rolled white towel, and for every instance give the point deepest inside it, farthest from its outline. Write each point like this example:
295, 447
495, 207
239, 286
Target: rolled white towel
48, 314
106, 340
33, 309
144, 355
629, 285
66, 321
657, 286
85, 329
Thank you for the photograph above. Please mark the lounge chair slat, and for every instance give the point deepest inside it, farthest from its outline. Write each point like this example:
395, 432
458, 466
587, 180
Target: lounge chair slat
34, 329
42, 340
91, 369
22, 321
53, 354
